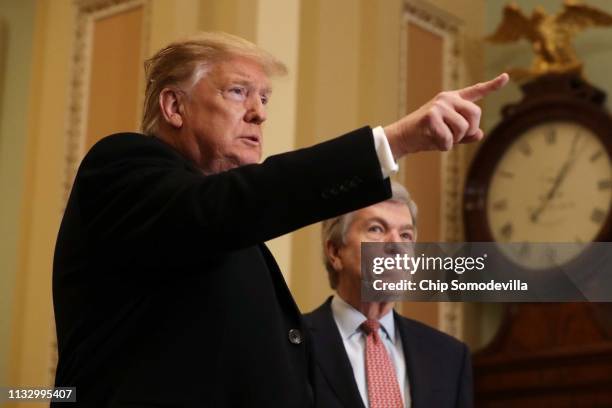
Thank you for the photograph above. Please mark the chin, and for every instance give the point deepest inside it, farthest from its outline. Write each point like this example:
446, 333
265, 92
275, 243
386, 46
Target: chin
252, 158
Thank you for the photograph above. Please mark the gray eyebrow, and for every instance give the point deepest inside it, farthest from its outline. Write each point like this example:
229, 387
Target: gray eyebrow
380, 220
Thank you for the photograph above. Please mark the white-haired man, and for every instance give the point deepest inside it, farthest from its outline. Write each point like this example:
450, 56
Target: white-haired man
164, 292
366, 354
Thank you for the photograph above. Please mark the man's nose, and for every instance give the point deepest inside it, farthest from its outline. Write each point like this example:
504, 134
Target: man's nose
393, 236
256, 111
393, 243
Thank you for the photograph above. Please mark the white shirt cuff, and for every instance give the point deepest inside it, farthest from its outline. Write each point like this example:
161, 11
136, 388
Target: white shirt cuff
388, 166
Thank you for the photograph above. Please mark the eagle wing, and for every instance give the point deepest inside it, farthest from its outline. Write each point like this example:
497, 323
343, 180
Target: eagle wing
514, 26
576, 16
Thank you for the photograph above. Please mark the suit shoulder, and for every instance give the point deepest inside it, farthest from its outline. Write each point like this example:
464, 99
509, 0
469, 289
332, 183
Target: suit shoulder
121, 142
434, 337
318, 314
132, 146
311, 316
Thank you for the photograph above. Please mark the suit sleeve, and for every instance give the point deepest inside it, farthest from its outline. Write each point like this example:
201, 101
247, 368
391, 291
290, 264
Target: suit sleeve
135, 192
465, 396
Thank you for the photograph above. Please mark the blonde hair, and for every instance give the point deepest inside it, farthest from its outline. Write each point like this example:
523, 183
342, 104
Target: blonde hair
334, 229
183, 63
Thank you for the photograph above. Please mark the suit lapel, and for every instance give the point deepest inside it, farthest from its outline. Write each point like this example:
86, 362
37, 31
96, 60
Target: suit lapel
420, 376
331, 356
278, 280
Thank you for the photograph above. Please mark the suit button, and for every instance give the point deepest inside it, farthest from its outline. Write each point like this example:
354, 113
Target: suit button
295, 336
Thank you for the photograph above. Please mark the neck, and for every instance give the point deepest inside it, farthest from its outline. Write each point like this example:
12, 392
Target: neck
371, 310
375, 310
186, 146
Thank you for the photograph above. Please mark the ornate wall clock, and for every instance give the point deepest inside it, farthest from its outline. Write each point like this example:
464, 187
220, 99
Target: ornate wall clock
544, 174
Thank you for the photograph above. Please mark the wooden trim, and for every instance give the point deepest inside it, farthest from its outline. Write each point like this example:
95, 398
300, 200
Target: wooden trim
87, 12
449, 28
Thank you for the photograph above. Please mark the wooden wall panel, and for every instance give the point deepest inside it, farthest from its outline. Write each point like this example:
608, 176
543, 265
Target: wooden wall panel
116, 74
422, 172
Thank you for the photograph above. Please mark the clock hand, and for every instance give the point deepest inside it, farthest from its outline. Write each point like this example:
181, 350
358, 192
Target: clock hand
558, 180
551, 193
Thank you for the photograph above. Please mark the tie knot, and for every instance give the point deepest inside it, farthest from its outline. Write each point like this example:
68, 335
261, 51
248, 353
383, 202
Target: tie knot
370, 326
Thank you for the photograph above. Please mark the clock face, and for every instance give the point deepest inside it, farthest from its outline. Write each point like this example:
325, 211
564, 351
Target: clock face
553, 184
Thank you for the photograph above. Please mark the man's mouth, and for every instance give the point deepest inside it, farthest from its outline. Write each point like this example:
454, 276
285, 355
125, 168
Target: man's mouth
251, 139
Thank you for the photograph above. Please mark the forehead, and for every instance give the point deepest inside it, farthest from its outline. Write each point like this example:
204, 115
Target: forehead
391, 212
241, 69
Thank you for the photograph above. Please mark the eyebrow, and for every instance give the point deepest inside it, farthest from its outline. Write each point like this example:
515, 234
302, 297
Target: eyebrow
381, 221
242, 80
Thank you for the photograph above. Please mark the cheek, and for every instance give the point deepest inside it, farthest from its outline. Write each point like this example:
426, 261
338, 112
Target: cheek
220, 114
233, 113
352, 258
224, 119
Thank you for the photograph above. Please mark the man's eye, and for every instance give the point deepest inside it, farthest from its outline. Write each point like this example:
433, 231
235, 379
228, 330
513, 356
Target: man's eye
375, 228
407, 236
238, 92
264, 100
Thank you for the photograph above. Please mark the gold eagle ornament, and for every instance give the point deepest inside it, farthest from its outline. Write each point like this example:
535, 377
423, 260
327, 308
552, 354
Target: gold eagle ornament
550, 35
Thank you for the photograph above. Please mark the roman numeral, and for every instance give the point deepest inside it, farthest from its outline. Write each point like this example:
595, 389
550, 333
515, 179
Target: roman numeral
506, 231
551, 254
604, 184
551, 136
500, 205
524, 250
525, 149
596, 156
598, 216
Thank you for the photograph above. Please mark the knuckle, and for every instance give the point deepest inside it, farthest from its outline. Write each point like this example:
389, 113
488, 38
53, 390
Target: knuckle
445, 144
438, 108
442, 133
477, 113
437, 105
442, 96
431, 117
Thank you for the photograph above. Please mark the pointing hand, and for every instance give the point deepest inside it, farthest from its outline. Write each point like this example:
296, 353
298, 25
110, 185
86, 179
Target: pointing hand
451, 117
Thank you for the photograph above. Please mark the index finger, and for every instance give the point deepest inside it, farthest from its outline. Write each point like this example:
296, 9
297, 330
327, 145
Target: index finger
480, 90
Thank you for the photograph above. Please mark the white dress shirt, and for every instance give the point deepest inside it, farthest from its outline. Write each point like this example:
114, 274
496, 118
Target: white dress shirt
388, 166
348, 319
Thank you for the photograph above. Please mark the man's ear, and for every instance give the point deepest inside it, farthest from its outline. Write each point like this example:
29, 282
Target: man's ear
170, 105
331, 250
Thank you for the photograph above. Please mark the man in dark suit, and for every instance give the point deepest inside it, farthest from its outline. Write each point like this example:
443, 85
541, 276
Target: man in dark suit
164, 293
424, 367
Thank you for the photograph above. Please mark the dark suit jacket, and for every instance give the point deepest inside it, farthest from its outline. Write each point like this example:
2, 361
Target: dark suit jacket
164, 293
438, 366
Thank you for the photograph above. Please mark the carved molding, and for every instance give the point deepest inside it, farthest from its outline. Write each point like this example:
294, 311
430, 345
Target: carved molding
86, 13
447, 27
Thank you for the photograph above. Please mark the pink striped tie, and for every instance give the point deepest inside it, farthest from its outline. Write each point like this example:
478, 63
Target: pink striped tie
383, 389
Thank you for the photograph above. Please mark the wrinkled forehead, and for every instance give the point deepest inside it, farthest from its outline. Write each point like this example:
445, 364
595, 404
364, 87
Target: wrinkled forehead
393, 213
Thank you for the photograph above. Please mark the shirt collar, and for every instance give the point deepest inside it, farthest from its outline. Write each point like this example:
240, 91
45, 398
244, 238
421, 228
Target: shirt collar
348, 319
